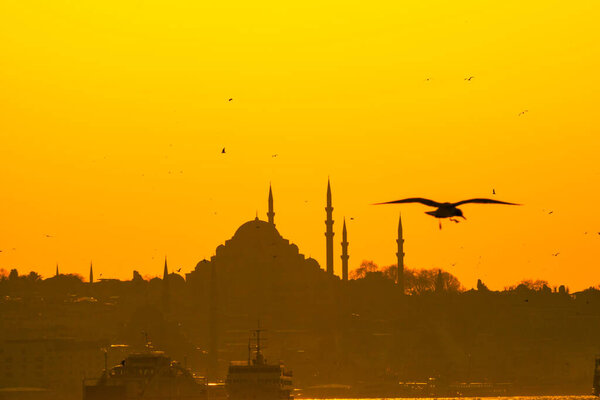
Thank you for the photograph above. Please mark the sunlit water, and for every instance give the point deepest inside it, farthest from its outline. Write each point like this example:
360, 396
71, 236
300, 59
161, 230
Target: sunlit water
479, 397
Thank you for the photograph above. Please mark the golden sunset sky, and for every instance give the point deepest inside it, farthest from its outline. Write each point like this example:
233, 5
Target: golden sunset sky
113, 115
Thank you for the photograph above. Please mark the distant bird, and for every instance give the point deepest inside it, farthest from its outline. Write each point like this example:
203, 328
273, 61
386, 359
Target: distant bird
48, 236
179, 270
446, 210
100, 274
523, 112
469, 78
351, 218
427, 79
223, 151
555, 254
274, 155
493, 191
230, 99
551, 212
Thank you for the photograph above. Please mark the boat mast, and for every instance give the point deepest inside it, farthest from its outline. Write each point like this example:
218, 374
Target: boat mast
259, 357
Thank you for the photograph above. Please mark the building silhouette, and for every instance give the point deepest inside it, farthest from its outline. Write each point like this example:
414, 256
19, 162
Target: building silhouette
91, 273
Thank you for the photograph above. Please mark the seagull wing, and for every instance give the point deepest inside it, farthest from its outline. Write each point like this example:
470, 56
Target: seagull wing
483, 201
421, 200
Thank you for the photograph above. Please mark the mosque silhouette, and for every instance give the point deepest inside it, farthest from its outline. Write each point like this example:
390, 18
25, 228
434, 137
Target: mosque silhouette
257, 250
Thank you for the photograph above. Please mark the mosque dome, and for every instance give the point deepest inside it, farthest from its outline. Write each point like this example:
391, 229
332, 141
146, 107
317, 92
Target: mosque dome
256, 229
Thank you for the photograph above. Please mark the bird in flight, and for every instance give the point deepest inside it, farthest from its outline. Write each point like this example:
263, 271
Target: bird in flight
555, 254
493, 191
523, 112
179, 270
229, 99
446, 210
223, 151
469, 78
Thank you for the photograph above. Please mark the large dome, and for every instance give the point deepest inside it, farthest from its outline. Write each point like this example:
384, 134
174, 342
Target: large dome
256, 228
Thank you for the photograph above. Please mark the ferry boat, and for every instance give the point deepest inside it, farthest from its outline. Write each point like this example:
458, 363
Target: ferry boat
147, 375
256, 379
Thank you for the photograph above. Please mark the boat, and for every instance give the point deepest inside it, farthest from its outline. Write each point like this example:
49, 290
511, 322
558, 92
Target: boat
256, 379
146, 375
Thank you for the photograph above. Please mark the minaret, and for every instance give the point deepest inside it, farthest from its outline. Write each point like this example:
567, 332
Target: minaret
57, 270
345, 255
271, 213
400, 255
91, 273
329, 232
166, 287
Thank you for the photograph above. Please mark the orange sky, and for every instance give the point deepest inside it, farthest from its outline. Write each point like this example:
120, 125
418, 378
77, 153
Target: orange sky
113, 115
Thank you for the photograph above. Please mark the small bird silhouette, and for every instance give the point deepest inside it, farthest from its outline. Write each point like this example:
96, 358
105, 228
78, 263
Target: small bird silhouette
551, 212
351, 218
555, 254
179, 270
274, 155
229, 99
493, 191
523, 112
223, 151
48, 236
469, 78
446, 210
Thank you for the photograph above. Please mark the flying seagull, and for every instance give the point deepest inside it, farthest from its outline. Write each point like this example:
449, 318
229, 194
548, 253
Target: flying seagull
446, 210
469, 78
223, 151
